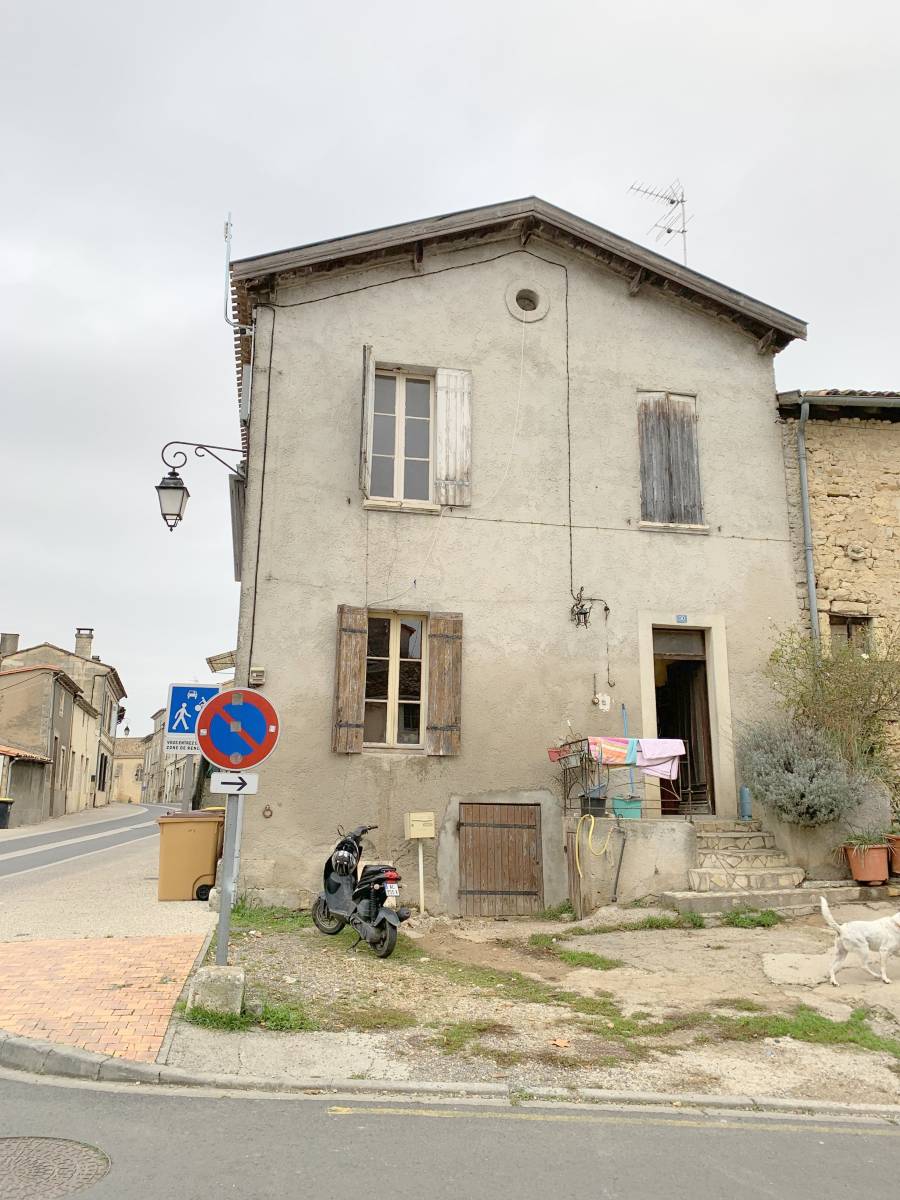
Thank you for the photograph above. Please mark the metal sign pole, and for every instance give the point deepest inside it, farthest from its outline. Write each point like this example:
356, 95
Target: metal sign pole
230, 850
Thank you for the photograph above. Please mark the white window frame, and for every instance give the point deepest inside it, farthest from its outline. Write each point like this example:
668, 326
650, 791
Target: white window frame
393, 697
397, 500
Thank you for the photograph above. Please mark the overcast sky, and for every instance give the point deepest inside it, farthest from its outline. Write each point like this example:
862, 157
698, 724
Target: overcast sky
130, 129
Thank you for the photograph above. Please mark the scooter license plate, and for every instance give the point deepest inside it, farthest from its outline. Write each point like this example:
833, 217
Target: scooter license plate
392, 889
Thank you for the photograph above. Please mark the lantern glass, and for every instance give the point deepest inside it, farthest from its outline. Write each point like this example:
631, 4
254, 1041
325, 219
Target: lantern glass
173, 498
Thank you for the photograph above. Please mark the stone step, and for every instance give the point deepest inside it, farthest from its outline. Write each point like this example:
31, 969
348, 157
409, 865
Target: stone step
715, 825
732, 840
790, 901
709, 879
742, 860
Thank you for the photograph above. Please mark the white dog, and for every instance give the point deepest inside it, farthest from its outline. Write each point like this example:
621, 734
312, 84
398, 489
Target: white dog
866, 937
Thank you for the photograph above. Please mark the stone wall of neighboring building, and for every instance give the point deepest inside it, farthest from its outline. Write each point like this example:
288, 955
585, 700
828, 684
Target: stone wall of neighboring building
853, 464
128, 769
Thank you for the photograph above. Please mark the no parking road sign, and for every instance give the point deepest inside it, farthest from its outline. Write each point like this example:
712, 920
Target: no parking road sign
238, 729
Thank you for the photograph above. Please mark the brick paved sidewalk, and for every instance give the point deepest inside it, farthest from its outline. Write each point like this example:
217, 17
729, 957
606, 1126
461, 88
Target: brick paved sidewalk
112, 995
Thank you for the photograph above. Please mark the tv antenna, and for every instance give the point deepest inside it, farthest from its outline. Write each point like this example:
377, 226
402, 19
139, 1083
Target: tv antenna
673, 223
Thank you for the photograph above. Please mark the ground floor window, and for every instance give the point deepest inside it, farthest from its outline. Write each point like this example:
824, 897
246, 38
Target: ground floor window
394, 691
853, 629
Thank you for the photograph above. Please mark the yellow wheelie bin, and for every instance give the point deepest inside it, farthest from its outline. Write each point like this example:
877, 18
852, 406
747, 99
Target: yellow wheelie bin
190, 845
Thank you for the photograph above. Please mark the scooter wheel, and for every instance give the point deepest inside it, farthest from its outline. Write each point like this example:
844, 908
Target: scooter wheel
326, 921
385, 948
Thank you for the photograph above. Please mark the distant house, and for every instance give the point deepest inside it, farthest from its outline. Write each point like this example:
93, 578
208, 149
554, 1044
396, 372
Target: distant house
77, 734
510, 477
128, 769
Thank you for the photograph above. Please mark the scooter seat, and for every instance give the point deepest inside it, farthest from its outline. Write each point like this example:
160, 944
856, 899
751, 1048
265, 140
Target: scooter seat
374, 869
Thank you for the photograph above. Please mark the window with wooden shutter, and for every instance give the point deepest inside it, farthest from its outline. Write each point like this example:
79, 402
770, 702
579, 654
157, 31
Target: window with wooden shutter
670, 461
349, 680
453, 437
442, 732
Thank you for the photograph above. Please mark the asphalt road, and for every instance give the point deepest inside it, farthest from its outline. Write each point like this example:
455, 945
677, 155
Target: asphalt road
20, 854
198, 1146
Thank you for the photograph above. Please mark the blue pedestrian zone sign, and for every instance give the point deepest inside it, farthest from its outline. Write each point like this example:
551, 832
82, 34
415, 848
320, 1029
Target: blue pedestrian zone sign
186, 702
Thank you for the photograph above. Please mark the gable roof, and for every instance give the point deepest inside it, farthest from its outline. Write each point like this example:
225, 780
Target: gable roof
528, 217
71, 653
54, 670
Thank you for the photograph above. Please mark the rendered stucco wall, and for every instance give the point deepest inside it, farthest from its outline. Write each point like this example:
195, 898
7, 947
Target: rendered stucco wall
504, 562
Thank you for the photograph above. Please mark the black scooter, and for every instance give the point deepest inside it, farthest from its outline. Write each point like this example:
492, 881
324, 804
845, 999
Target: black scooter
349, 898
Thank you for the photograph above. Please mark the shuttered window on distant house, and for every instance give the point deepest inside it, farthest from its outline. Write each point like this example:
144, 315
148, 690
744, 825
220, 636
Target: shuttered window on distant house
415, 435
398, 681
670, 461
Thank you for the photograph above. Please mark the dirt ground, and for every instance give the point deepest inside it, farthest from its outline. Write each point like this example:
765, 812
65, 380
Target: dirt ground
687, 1009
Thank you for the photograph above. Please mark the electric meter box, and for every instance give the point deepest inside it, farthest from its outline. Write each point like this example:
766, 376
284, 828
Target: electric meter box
418, 825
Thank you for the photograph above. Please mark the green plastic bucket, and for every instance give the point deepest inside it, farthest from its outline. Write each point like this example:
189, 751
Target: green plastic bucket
629, 809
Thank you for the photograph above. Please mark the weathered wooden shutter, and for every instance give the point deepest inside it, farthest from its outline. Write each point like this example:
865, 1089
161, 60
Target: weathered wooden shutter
453, 437
349, 680
237, 492
670, 461
442, 730
367, 408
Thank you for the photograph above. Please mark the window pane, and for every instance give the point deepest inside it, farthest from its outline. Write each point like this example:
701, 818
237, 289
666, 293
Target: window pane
375, 723
417, 437
379, 637
415, 480
383, 430
410, 681
410, 638
377, 678
418, 398
382, 475
409, 717
385, 394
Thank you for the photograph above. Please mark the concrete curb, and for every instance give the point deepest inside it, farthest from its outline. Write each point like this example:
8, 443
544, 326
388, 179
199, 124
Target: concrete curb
48, 1059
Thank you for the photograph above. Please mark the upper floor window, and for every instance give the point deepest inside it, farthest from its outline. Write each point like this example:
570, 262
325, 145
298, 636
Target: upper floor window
401, 437
416, 433
670, 460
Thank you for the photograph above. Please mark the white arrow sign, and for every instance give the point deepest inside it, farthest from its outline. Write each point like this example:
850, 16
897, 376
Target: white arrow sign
234, 783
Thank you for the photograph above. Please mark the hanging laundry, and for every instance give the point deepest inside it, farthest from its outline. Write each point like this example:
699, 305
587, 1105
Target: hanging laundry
659, 756
615, 752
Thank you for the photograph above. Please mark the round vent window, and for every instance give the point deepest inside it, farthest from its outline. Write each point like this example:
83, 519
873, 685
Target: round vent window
526, 302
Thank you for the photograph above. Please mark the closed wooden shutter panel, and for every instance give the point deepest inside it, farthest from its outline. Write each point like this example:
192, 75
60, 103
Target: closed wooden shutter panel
349, 680
442, 730
367, 407
670, 461
453, 437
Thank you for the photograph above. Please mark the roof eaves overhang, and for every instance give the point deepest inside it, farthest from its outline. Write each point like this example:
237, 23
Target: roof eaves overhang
829, 404
527, 217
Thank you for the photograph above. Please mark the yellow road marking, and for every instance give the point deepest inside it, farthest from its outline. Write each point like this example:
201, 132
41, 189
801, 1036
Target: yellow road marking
711, 1122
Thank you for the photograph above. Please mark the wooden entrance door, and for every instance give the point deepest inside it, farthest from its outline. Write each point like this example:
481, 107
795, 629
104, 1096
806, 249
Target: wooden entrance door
500, 867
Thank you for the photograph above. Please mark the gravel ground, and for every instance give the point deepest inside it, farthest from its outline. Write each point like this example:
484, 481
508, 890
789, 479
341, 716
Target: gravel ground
436, 981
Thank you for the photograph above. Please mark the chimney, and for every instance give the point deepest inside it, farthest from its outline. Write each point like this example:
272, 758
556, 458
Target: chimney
83, 639
9, 644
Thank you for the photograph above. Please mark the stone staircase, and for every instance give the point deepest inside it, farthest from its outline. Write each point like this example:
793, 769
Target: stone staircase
739, 866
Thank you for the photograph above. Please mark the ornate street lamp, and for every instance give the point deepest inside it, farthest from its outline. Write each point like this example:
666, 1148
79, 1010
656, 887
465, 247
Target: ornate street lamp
171, 491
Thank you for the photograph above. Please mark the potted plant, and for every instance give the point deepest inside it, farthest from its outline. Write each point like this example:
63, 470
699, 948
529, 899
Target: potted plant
866, 851
893, 840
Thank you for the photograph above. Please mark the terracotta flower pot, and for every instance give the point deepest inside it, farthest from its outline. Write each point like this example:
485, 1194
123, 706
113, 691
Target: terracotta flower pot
893, 840
868, 865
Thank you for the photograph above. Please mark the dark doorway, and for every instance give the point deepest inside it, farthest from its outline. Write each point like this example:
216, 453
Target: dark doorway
682, 711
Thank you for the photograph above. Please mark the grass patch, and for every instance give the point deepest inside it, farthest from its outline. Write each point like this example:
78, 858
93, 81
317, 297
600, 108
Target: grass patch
804, 1024
268, 919
456, 1037
211, 1018
373, 1019
688, 920
545, 943
503, 1058
558, 912
740, 1004
287, 1018
752, 918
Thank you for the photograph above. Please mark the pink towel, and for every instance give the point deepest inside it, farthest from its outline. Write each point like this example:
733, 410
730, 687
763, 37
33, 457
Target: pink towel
659, 757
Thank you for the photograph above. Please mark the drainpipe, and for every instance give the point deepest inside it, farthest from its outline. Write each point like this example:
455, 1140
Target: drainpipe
807, 523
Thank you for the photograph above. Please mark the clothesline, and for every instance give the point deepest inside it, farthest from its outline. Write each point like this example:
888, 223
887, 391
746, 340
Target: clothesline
652, 756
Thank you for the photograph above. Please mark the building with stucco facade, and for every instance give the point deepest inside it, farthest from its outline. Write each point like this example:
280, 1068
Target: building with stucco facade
461, 433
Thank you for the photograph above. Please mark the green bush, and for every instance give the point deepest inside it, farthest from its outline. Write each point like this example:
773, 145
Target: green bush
799, 772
